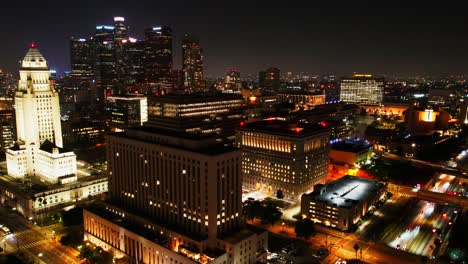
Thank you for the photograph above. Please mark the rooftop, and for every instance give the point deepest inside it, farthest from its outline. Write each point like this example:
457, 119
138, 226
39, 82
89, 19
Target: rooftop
285, 128
194, 142
195, 98
351, 145
346, 192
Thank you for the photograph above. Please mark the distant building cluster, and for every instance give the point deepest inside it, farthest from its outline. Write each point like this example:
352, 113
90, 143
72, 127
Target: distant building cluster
113, 63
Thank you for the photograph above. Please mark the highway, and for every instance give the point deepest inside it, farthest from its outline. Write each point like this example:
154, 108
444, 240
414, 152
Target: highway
417, 230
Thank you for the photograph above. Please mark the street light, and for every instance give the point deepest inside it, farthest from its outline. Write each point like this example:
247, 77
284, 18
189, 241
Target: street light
282, 226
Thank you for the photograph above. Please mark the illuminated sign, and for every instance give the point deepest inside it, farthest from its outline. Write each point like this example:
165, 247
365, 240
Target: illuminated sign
121, 19
428, 115
157, 28
362, 75
105, 27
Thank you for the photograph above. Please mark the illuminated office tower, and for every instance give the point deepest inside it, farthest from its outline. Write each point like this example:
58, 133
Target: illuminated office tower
82, 61
192, 65
134, 59
39, 151
362, 89
105, 63
158, 56
120, 29
278, 155
120, 39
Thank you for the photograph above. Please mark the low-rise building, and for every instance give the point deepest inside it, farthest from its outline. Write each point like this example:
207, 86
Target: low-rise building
341, 203
350, 152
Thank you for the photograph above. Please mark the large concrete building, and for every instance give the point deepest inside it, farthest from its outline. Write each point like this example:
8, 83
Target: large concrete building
278, 155
340, 204
200, 113
175, 197
362, 89
39, 150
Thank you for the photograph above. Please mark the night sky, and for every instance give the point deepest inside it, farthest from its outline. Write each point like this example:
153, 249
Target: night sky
317, 40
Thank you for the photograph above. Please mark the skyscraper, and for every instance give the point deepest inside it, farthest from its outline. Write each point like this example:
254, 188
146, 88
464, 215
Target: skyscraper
120, 29
270, 78
134, 59
362, 89
40, 149
192, 65
158, 56
82, 61
120, 39
105, 63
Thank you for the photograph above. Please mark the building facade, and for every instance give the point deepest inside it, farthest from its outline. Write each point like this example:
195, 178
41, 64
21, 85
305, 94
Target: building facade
158, 56
174, 198
128, 111
278, 155
362, 89
192, 65
39, 151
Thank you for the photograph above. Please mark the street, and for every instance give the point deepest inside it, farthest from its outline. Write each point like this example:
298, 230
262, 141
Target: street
38, 244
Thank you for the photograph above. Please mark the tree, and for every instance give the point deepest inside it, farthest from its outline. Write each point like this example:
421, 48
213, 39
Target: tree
269, 214
304, 228
279, 194
356, 248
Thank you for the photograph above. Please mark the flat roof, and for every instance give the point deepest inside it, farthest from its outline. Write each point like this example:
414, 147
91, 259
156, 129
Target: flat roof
194, 98
346, 192
285, 128
354, 146
203, 144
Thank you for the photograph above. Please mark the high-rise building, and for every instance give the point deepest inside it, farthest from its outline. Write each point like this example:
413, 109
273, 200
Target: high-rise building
120, 38
173, 196
82, 61
105, 64
39, 150
134, 59
233, 80
192, 65
128, 111
120, 29
158, 56
278, 155
362, 89
270, 78
7, 135
7, 83
197, 113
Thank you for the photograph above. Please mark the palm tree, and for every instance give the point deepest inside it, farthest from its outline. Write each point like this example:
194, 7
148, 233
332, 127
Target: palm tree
356, 248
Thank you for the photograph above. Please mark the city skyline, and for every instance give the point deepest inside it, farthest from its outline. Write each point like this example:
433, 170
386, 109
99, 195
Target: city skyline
341, 40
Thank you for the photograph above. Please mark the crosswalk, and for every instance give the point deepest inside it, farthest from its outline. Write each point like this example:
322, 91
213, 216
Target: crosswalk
23, 232
34, 244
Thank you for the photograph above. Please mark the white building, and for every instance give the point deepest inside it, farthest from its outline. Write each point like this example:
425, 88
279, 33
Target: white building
39, 150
